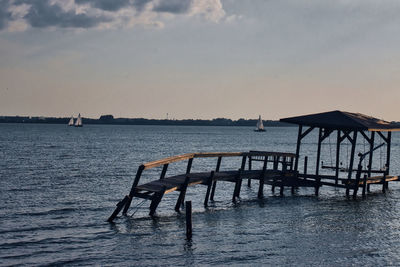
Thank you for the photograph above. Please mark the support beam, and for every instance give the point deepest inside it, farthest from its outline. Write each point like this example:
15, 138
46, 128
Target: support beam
164, 171
261, 184
182, 194
353, 148
209, 184
296, 161
236, 191
338, 142
156, 200
249, 180
131, 193
215, 182
318, 179
371, 147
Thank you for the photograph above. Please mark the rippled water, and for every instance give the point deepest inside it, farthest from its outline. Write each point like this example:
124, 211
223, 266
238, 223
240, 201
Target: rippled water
59, 184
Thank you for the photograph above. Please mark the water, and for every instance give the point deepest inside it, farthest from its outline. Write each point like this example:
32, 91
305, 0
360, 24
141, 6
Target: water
59, 184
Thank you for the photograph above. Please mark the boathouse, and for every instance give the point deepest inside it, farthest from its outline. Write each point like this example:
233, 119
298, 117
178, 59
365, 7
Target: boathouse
281, 169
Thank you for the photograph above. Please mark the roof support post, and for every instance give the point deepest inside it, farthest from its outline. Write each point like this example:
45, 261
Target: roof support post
371, 147
318, 179
296, 162
388, 142
353, 149
338, 141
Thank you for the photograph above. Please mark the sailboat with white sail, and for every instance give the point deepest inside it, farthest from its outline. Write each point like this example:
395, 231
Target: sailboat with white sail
78, 122
71, 121
260, 125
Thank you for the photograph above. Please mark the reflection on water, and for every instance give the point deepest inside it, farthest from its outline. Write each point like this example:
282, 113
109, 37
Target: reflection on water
59, 184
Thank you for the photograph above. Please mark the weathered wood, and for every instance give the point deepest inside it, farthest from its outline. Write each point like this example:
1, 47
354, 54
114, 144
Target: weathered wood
209, 184
156, 200
249, 180
371, 148
353, 148
384, 183
357, 182
298, 144
188, 220
364, 186
120, 205
236, 191
135, 183
182, 194
215, 181
388, 146
164, 171
262, 177
337, 157
318, 180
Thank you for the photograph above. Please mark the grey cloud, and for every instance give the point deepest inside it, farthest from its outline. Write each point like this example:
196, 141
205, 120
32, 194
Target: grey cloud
42, 14
140, 4
173, 6
5, 16
108, 5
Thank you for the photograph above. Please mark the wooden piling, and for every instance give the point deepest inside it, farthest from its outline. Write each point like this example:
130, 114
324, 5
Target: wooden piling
364, 185
188, 205
182, 194
209, 184
215, 182
262, 177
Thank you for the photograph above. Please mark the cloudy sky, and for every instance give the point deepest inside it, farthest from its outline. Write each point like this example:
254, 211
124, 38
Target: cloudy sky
199, 58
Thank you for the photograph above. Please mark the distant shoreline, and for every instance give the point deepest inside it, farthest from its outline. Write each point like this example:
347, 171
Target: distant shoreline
109, 119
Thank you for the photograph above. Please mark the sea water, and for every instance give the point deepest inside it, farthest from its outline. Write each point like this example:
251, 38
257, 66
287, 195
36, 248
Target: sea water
59, 184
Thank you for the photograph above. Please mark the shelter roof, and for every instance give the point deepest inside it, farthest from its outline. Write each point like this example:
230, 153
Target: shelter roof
343, 120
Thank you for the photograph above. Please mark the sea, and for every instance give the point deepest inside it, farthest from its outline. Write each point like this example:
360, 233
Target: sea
59, 184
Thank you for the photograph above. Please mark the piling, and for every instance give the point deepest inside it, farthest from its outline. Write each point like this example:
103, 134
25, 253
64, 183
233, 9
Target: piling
188, 205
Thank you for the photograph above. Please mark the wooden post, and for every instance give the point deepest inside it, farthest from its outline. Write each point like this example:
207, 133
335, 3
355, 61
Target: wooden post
242, 167
120, 205
371, 147
357, 181
249, 180
388, 145
296, 161
261, 184
188, 220
209, 184
215, 182
338, 141
318, 179
384, 183
353, 148
132, 192
364, 185
236, 191
305, 167
156, 200
182, 194
164, 171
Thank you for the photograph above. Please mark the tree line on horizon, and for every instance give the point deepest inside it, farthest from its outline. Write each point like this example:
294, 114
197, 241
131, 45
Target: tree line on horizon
109, 119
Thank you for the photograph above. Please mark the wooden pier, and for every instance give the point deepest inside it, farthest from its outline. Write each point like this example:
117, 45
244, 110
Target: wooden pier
278, 169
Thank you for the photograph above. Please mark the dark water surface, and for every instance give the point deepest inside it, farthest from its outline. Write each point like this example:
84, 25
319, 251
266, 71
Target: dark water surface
59, 184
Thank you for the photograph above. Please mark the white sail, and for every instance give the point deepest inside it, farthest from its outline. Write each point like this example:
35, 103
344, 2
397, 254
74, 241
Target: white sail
260, 125
78, 122
71, 122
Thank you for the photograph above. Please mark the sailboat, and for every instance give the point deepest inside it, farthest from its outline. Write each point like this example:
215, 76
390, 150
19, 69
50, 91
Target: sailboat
78, 122
71, 121
260, 125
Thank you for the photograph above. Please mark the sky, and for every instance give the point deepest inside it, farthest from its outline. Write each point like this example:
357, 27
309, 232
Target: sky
199, 58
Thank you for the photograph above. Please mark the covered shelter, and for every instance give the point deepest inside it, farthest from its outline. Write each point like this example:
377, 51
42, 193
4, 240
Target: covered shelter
348, 126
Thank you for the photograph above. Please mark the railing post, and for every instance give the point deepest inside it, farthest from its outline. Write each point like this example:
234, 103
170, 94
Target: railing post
215, 181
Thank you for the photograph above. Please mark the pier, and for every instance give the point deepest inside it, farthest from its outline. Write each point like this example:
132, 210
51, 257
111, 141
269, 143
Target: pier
278, 169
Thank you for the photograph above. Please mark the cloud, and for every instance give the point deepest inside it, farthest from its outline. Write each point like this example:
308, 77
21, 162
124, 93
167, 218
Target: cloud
5, 16
173, 6
43, 14
109, 5
22, 14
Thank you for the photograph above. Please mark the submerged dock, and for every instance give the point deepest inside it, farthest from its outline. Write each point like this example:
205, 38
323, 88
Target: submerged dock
277, 169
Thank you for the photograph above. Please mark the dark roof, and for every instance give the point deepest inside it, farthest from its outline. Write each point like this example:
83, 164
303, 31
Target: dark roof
344, 120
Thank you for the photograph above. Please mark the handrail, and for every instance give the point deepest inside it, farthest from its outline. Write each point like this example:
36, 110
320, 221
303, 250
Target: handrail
187, 156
